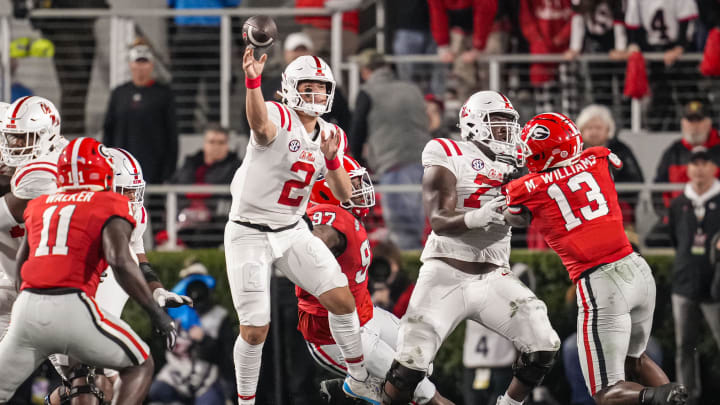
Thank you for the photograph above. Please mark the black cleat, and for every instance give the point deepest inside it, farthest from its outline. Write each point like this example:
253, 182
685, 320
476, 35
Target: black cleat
332, 393
668, 394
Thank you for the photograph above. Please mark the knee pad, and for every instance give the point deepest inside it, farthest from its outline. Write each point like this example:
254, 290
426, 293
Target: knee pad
531, 368
404, 380
85, 385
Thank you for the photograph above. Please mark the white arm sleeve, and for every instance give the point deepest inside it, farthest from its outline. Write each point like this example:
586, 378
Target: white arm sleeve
620, 36
577, 32
137, 245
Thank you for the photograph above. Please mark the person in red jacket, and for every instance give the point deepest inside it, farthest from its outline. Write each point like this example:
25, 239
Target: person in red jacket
318, 28
461, 29
546, 26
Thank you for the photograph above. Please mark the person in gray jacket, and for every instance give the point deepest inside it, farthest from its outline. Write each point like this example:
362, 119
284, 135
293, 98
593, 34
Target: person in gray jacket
390, 119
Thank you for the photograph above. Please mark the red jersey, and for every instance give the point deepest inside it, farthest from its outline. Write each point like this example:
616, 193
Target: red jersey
65, 238
576, 209
354, 262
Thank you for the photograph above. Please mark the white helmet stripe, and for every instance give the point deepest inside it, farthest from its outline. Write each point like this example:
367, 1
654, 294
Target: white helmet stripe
73, 162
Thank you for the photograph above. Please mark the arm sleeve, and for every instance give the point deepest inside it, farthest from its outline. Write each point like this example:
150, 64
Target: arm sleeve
171, 153
434, 154
358, 131
277, 115
577, 32
620, 36
33, 181
483, 15
682, 39
439, 22
632, 15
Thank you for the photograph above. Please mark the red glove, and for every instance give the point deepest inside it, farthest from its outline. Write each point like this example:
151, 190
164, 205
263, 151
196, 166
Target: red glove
710, 65
636, 82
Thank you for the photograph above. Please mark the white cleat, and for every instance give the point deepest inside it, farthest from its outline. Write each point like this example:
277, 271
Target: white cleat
368, 390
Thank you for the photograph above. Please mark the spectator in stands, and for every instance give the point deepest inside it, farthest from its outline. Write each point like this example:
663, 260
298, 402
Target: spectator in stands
200, 365
195, 57
697, 130
74, 41
665, 29
318, 27
597, 126
461, 29
214, 164
388, 282
410, 22
435, 109
597, 27
390, 118
694, 219
140, 118
709, 18
546, 26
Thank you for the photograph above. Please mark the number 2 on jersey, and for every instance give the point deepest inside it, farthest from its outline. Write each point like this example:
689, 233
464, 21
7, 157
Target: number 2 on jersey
474, 200
61, 231
593, 195
285, 198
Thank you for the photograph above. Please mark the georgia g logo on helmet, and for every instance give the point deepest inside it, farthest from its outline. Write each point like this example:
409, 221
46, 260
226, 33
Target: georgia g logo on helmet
539, 132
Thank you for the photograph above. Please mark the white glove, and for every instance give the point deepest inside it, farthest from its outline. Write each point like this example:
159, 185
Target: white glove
488, 213
168, 298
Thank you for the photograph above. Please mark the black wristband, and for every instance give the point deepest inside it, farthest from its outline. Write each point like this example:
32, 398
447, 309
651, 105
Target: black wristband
148, 272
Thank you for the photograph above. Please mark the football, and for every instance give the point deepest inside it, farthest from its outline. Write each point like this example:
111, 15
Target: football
259, 31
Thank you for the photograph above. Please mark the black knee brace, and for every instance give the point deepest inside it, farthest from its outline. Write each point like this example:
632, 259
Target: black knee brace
86, 385
531, 368
404, 380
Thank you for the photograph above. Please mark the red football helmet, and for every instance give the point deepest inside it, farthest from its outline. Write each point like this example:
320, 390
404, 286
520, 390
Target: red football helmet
84, 164
363, 194
550, 140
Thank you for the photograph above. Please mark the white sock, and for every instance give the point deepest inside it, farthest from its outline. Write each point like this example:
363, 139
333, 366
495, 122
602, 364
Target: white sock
345, 330
247, 369
506, 400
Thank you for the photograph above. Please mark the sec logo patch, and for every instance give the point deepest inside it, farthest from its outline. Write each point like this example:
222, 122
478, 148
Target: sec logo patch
294, 145
478, 165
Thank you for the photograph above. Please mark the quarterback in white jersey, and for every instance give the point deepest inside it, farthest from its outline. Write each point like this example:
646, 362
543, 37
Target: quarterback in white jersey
290, 148
465, 272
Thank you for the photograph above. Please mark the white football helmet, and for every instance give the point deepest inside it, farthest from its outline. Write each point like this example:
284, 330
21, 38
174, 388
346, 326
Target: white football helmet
302, 69
476, 123
128, 177
30, 128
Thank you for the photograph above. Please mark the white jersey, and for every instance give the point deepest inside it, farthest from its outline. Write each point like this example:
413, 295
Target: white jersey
272, 186
33, 179
478, 181
659, 18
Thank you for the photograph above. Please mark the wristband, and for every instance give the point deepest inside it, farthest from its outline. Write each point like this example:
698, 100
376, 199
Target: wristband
252, 83
332, 164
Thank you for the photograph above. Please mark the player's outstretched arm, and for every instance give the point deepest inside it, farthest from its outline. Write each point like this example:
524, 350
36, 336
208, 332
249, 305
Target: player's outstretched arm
517, 217
163, 297
337, 178
263, 130
116, 237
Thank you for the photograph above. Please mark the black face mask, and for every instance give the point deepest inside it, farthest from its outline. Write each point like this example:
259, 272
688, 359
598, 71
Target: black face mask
200, 294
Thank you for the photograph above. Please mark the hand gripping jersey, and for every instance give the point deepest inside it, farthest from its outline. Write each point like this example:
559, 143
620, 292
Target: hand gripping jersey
576, 209
65, 238
354, 262
273, 184
35, 178
478, 181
